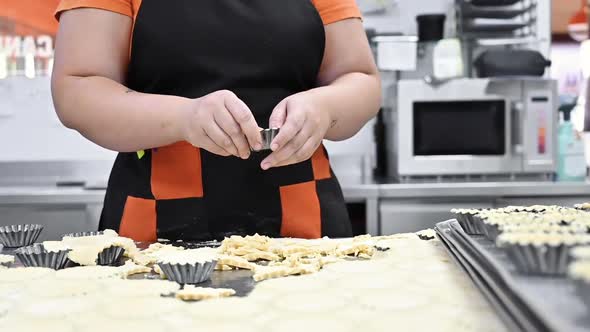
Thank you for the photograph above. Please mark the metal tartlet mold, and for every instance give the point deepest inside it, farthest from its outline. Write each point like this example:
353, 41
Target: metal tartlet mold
15, 236
470, 222
36, 256
539, 259
1, 247
110, 256
188, 273
268, 135
82, 234
491, 231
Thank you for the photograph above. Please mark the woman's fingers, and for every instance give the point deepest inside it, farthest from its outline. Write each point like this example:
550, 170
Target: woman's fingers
218, 136
245, 119
290, 151
293, 124
304, 153
226, 122
209, 145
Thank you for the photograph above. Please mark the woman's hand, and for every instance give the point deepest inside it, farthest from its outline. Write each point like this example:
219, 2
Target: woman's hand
303, 127
222, 124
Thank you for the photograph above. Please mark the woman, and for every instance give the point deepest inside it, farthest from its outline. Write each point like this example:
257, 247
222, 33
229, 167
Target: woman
189, 84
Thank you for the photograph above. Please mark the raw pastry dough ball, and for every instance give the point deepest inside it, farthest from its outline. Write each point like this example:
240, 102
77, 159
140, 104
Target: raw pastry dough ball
135, 288
140, 307
24, 274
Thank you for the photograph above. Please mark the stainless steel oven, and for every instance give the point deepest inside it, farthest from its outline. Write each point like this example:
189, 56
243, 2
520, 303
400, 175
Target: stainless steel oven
482, 127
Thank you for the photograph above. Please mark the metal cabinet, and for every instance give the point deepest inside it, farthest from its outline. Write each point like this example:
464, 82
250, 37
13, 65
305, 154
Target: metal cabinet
57, 219
411, 215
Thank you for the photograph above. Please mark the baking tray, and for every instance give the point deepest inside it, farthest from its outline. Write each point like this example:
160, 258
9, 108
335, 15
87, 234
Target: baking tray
470, 12
496, 303
551, 300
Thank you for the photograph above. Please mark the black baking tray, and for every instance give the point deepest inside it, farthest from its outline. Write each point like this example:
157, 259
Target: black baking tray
550, 303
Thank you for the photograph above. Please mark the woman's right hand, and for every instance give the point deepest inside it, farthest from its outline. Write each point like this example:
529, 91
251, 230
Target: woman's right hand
222, 124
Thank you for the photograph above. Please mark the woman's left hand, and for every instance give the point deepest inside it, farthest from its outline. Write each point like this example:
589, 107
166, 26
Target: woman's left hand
303, 127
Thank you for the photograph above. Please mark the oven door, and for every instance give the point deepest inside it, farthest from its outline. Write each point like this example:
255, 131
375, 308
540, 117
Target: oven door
457, 128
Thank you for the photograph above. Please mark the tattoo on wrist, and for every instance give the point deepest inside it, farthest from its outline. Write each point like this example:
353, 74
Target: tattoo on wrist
333, 123
129, 91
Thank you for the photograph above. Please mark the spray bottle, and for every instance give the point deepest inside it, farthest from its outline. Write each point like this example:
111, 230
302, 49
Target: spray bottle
571, 163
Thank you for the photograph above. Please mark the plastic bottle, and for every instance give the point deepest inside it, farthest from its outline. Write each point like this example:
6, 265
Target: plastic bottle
571, 163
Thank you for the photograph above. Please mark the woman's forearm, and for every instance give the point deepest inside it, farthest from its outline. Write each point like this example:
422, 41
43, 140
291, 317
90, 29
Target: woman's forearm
351, 100
116, 118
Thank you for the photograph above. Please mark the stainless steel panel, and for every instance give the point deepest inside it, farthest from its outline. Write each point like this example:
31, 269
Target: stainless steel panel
56, 219
400, 216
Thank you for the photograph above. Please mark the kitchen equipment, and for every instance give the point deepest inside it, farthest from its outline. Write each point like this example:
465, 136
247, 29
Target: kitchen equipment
464, 127
431, 27
507, 62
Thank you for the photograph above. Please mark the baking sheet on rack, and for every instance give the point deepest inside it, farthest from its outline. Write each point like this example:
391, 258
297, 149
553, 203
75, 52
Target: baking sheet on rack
553, 299
505, 309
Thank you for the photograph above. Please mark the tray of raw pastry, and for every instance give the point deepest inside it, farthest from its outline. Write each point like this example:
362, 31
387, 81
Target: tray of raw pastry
533, 262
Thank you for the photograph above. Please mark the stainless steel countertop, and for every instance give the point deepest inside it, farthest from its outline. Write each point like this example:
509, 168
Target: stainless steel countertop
484, 189
353, 191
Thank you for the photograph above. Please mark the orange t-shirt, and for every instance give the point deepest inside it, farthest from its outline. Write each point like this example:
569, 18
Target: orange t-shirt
330, 10
27, 17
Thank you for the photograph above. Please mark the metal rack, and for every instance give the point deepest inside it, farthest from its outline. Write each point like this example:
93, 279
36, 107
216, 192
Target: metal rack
510, 24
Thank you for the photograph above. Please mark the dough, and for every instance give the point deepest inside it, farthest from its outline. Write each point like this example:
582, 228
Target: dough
55, 246
138, 288
130, 268
193, 293
54, 308
6, 259
18, 324
60, 288
191, 256
89, 272
126, 325
234, 261
144, 308
24, 274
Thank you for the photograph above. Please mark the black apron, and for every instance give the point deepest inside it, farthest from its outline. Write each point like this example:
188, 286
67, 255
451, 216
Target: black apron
263, 51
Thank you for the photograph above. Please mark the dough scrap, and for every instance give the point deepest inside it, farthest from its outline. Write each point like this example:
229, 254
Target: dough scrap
235, 261
269, 272
55, 246
85, 249
6, 259
130, 268
193, 293
222, 267
190, 256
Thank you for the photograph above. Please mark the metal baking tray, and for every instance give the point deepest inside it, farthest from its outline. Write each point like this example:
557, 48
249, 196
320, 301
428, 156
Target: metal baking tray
551, 300
513, 315
470, 12
505, 313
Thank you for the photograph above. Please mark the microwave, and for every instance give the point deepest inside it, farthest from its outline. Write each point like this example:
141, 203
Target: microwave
466, 127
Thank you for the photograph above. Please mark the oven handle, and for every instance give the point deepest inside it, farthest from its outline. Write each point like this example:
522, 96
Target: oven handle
517, 112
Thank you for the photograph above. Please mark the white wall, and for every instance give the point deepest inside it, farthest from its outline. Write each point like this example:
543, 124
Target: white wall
30, 130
